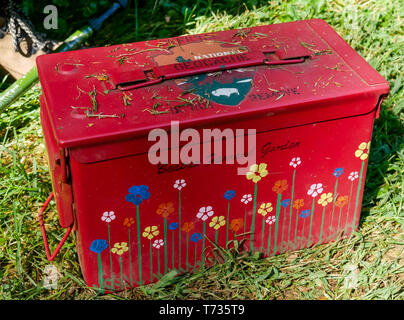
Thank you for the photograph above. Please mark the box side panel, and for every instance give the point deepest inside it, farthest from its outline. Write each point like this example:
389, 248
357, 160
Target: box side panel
137, 221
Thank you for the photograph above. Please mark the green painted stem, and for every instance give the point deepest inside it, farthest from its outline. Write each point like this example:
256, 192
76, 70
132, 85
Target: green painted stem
216, 238
339, 220
203, 244
333, 208
139, 247
130, 259
278, 210
195, 259
322, 225
262, 234
227, 224
245, 220
158, 262
165, 247
151, 263
179, 230
302, 238
347, 213
291, 206
100, 273
357, 197
283, 229
110, 254
269, 240
311, 222
173, 250
253, 219
297, 220
186, 265
120, 265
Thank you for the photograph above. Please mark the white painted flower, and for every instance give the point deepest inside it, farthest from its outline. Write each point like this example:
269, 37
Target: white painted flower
179, 184
246, 198
295, 162
353, 175
158, 243
315, 189
270, 220
204, 213
108, 216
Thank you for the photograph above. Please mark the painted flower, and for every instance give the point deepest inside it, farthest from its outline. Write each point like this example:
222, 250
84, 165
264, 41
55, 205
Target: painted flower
196, 237
188, 227
179, 184
99, 245
236, 224
137, 194
173, 226
270, 220
280, 186
315, 189
341, 201
363, 151
120, 248
229, 194
353, 175
158, 243
325, 199
305, 213
285, 203
204, 213
298, 203
246, 198
257, 172
337, 172
108, 216
217, 222
165, 209
128, 222
150, 232
265, 208
295, 162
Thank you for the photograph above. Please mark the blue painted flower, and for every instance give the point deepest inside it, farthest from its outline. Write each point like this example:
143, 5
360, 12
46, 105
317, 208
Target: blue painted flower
338, 172
173, 226
305, 214
137, 194
196, 237
99, 245
285, 203
229, 194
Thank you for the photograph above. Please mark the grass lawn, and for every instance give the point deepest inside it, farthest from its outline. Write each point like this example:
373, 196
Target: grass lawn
374, 258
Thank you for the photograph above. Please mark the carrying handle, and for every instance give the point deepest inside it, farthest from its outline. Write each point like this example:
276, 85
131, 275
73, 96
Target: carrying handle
147, 77
50, 256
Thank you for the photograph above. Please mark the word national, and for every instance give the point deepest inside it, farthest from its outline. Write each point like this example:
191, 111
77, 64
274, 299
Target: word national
191, 146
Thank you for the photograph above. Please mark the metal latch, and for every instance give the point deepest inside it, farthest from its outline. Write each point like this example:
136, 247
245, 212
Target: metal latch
147, 77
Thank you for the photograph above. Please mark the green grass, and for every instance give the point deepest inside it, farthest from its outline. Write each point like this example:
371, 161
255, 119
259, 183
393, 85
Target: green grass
373, 28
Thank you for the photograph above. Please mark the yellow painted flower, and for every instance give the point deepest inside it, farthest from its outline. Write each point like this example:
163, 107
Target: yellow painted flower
265, 208
150, 232
120, 248
257, 172
325, 199
363, 151
217, 222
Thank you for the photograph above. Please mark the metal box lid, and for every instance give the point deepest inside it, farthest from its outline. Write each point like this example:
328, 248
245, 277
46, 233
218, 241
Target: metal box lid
117, 92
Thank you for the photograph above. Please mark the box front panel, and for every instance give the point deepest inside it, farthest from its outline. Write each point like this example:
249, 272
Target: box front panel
137, 221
